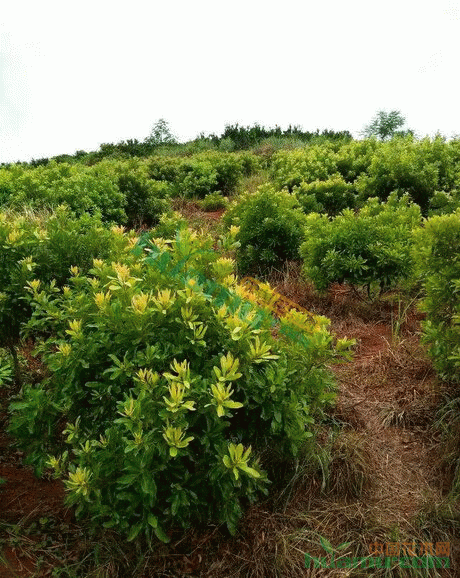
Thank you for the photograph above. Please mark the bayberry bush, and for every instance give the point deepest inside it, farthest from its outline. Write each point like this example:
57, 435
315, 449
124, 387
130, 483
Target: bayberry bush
271, 229
44, 247
370, 249
330, 196
167, 390
313, 163
437, 253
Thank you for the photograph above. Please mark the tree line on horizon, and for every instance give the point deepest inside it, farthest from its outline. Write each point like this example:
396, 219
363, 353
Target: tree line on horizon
235, 137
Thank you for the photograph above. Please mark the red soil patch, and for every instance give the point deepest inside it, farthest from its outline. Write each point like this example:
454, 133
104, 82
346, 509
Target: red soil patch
193, 212
214, 215
371, 340
23, 499
25, 496
17, 566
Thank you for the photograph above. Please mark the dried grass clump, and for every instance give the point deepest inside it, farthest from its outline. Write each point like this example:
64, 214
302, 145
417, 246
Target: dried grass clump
350, 467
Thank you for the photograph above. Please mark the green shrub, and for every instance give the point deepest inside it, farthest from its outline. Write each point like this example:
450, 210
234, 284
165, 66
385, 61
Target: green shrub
6, 370
442, 203
408, 166
197, 178
86, 192
214, 202
145, 199
330, 196
203, 173
226, 145
250, 162
168, 225
364, 249
312, 163
166, 387
164, 168
437, 251
80, 188
44, 247
271, 229
355, 157
132, 191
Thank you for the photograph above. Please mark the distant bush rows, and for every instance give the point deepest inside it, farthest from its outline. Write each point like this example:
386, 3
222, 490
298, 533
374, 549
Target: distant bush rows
392, 184
337, 175
128, 192
328, 176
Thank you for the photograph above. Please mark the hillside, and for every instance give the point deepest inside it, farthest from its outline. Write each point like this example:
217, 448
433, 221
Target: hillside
224, 362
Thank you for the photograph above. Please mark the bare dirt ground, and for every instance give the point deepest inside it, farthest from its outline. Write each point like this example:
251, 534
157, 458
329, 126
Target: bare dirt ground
386, 481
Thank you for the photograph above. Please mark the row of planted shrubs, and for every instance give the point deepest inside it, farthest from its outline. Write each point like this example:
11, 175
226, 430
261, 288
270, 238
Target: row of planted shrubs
384, 245
367, 247
332, 176
166, 399
380, 246
336, 179
326, 177
125, 192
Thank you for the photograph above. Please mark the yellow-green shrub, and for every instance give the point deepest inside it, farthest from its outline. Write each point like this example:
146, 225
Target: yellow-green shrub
44, 247
171, 386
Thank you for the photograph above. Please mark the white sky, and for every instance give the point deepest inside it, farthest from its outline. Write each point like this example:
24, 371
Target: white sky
76, 74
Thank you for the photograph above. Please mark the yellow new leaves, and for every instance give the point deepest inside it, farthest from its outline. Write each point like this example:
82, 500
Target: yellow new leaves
123, 279
223, 268
78, 481
34, 285
174, 437
139, 303
118, 230
178, 384
13, 236
164, 300
27, 263
238, 460
237, 327
75, 329
65, 349
183, 373
228, 242
129, 408
176, 401
260, 352
102, 299
228, 370
221, 398
222, 393
189, 318
147, 378
306, 321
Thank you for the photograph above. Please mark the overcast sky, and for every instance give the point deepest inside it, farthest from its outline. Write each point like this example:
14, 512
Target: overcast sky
77, 74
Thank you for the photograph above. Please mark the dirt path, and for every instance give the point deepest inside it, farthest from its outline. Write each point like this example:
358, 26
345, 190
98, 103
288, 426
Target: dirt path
387, 395
388, 398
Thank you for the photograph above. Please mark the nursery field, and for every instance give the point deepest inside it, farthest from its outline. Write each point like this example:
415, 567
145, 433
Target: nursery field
232, 363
